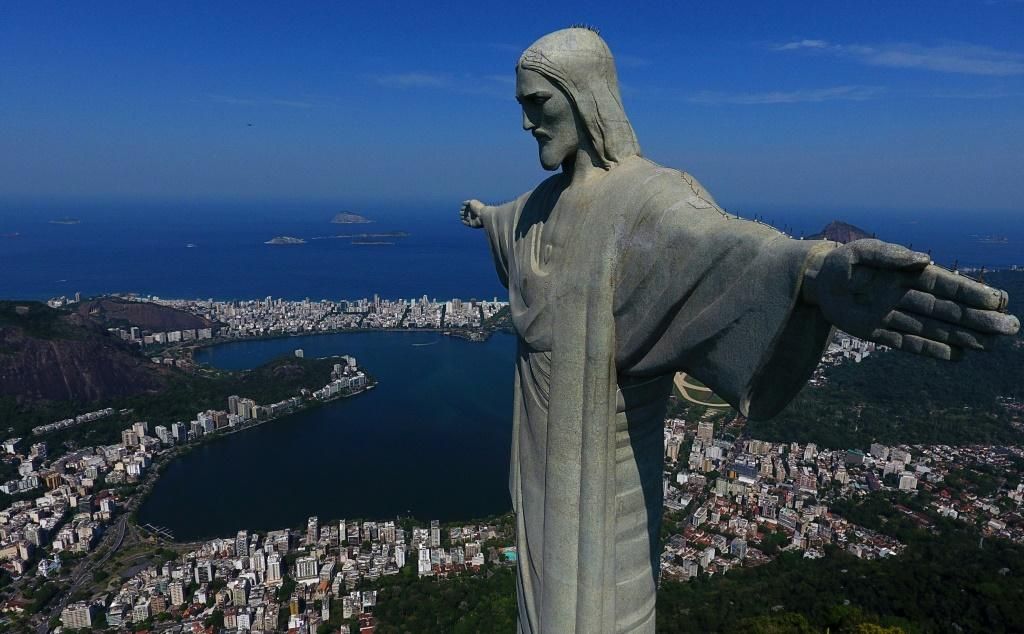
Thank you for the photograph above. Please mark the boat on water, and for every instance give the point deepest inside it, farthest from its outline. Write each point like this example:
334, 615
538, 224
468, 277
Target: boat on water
420, 345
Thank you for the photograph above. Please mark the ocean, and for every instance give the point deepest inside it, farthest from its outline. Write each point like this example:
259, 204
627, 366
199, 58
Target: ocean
145, 249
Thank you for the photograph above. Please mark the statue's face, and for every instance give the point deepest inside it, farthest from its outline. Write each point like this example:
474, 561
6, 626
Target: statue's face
548, 116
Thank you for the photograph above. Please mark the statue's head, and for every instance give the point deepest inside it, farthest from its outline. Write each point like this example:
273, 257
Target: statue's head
569, 91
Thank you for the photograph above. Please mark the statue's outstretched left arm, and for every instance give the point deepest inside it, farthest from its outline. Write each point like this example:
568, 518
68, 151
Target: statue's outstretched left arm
894, 296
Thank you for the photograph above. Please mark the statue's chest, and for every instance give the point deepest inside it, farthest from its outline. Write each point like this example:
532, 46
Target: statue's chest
544, 253
557, 257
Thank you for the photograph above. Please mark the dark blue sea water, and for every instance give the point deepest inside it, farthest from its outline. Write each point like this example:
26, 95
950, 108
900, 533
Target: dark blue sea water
142, 248
432, 440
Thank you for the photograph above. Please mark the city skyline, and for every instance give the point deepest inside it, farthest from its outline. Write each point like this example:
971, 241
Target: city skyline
889, 106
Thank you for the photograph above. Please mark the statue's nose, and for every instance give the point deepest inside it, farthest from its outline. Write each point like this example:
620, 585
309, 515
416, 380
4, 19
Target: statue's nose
527, 124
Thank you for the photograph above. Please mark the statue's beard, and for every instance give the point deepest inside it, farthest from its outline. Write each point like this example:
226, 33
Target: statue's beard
550, 156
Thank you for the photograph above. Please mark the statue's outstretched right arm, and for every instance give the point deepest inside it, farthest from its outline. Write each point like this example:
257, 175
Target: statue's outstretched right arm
470, 213
497, 224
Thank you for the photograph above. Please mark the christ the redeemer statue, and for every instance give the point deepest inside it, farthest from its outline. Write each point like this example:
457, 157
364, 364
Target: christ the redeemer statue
621, 273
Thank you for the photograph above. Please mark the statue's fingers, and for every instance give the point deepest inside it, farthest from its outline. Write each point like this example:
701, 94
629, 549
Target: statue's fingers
983, 321
929, 348
916, 344
886, 255
887, 338
949, 285
936, 330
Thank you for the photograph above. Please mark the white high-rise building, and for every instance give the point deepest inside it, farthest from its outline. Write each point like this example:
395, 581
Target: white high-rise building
129, 438
163, 434
908, 482
258, 561
274, 568
77, 616
312, 529
204, 572
242, 544
179, 432
177, 592
435, 534
705, 431
423, 564
306, 569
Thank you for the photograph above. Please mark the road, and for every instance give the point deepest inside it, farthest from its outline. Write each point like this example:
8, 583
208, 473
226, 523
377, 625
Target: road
83, 572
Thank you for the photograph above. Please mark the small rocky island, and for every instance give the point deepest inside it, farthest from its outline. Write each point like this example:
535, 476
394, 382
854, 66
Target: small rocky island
348, 218
285, 240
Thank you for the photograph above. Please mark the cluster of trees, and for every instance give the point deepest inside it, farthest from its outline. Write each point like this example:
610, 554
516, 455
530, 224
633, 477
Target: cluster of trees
943, 582
461, 605
35, 318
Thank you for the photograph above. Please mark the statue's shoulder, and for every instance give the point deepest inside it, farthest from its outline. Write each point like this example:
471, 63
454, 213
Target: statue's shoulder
666, 183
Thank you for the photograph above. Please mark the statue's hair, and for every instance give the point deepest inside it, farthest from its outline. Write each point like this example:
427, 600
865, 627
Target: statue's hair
579, 62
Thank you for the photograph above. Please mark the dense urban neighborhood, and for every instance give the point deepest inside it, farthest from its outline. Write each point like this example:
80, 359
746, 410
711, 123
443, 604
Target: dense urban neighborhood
73, 555
270, 317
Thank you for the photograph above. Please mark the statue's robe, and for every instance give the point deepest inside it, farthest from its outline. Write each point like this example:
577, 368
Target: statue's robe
614, 285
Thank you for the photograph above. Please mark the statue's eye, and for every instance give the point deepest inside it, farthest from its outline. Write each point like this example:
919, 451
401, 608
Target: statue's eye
536, 99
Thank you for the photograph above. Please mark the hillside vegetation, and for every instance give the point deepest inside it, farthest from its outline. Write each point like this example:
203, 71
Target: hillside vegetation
894, 397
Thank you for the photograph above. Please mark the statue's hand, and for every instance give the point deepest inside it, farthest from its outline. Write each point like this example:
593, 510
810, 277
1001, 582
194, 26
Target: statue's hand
891, 295
470, 213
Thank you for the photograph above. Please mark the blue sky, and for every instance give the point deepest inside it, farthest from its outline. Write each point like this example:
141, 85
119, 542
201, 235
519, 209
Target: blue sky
889, 105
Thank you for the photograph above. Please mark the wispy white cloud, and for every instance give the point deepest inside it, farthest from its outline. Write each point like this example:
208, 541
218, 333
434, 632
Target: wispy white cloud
979, 94
245, 101
968, 59
812, 95
507, 80
798, 44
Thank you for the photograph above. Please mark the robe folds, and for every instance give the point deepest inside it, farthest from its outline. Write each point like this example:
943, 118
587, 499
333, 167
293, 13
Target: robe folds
614, 285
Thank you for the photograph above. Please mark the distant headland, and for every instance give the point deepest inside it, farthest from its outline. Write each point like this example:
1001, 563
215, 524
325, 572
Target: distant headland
839, 231
347, 218
285, 240
66, 220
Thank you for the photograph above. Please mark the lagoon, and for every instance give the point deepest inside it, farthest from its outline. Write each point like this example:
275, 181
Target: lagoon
431, 441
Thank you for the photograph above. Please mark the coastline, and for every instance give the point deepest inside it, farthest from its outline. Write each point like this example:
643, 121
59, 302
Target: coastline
464, 334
